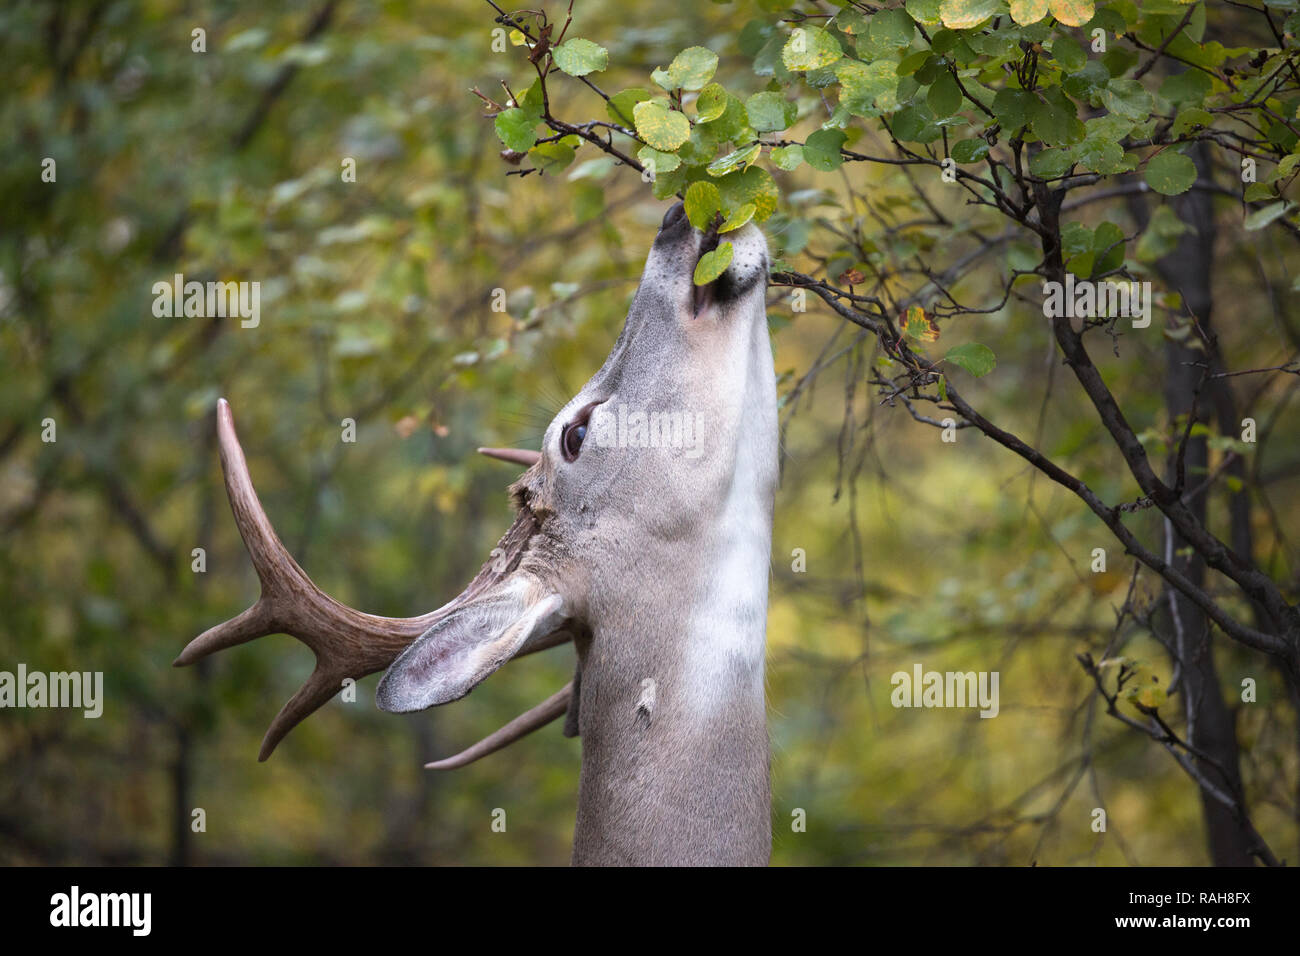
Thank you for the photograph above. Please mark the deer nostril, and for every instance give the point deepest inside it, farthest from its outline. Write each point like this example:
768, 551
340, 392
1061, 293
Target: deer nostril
672, 216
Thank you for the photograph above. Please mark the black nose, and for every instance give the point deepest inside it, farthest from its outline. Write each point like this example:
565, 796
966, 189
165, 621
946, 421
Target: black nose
672, 216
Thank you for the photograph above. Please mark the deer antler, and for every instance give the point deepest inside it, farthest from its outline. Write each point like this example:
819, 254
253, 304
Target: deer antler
347, 643
519, 456
521, 726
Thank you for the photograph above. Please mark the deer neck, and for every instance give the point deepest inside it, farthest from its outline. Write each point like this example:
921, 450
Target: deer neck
672, 711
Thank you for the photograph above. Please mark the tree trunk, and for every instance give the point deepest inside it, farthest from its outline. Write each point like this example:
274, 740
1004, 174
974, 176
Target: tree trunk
1211, 728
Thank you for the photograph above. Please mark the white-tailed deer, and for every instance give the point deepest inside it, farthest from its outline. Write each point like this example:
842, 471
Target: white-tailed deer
643, 534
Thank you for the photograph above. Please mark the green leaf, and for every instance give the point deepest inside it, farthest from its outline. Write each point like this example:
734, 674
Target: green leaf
822, 78
864, 86
701, 147
578, 57
1170, 173
533, 101
1101, 155
944, 97
1258, 192
660, 127
770, 112
891, 30
739, 216
943, 41
713, 264
1011, 107
711, 103
1051, 163
851, 22
1108, 244
621, 106
1055, 119
1067, 52
1087, 82
970, 150
516, 129
690, 70
788, 157
754, 185
658, 161
977, 359
915, 124
753, 35
1161, 235
768, 60
1119, 60
1128, 98
1108, 126
1285, 167
1075, 238
1187, 88
1081, 265
913, 62
742, 158
810, 48
668, 185
597, 168
964, 14
821, 151
1262, 217
925, 11
703, 202
732, 125
551, 155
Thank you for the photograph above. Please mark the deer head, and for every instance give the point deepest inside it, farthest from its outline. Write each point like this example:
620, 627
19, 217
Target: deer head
642, 533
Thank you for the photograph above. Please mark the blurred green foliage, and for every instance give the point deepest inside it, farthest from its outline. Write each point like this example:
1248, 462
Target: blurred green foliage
376, 305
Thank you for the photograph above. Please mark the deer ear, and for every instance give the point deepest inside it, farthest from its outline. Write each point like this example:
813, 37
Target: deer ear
451, 658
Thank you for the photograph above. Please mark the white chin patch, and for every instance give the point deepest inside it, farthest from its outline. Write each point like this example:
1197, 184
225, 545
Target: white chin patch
748, 257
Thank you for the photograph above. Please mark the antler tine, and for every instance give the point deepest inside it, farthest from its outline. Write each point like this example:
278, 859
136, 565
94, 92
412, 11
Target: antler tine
518, 456
521, 726
319, 688
243, 627
347, 642
268, 555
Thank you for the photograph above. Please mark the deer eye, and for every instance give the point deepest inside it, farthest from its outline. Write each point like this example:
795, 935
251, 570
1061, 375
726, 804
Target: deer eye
571, 439
573, 434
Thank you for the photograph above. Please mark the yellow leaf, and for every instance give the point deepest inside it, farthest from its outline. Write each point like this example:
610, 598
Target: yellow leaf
1073, 13
917, 325
1153, 696
964, 14
1025, 12
1103, 582
661, 128
713, 264
1148, 694
740, 216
